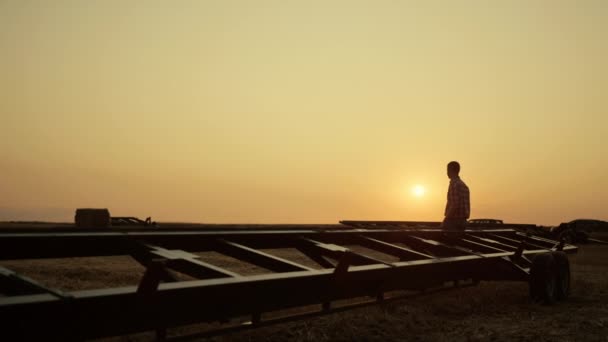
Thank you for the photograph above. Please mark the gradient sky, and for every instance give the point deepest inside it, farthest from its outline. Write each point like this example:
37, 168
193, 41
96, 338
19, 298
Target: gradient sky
303, 111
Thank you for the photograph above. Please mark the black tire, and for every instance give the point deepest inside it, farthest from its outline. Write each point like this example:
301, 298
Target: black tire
562, 284
543, 277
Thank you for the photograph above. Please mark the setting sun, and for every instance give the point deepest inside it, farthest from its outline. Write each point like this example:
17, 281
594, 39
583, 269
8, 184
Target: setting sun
418, 191
246, 112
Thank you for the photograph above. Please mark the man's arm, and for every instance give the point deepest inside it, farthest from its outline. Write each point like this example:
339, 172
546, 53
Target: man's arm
453, 195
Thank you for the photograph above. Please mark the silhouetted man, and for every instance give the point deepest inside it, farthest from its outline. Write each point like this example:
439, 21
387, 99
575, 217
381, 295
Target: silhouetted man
458, 208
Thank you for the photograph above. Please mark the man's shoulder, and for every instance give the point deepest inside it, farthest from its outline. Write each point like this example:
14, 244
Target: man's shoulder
461, 183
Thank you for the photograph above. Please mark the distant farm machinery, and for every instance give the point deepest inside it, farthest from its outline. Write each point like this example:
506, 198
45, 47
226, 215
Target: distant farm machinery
100, 218
378, 260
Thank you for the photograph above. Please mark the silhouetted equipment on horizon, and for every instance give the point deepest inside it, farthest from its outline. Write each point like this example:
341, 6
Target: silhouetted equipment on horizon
89, 218
576, 231
92, 218
485, 221
131, 221
581, 231
367, 262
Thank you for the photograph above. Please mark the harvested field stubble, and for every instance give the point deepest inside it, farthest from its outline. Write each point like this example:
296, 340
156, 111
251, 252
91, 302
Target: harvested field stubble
492, 311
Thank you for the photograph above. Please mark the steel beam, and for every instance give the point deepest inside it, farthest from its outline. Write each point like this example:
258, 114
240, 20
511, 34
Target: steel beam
432, 246
485, 240
337, 252
517, 240
404, 254
69, 244
259, 258
188, 263
14, 284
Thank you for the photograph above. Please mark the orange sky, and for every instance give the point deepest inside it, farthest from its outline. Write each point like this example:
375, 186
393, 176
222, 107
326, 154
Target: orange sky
303, 111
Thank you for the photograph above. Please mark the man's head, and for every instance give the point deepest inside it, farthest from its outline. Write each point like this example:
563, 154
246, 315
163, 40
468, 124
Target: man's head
453, 169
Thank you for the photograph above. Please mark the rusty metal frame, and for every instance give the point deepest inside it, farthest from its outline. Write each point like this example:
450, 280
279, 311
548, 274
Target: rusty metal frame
427, 259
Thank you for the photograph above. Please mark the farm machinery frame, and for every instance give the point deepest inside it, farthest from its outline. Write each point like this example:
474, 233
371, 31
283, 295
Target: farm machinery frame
405, 258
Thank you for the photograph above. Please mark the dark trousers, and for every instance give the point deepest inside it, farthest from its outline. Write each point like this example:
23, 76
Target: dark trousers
454, 223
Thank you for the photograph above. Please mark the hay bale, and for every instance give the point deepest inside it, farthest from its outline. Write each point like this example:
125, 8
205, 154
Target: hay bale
92, 218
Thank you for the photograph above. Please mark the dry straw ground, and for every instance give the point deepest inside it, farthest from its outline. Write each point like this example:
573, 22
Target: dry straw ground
492, 311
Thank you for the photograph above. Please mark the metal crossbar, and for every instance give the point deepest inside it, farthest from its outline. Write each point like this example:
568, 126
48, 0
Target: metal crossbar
406, 256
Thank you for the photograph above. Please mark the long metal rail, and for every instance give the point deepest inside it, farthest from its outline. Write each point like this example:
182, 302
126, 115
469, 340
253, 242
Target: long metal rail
415, 258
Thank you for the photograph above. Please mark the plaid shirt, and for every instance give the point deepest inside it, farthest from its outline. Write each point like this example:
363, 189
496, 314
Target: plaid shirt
459, 205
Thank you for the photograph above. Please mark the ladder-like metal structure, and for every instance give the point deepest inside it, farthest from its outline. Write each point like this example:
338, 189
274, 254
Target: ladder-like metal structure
415, 257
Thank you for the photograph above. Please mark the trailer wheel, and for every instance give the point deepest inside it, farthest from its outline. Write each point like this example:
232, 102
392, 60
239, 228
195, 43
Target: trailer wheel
562, 266
543, 279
